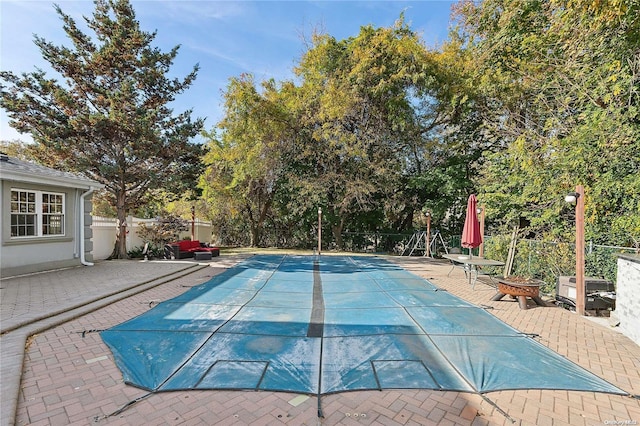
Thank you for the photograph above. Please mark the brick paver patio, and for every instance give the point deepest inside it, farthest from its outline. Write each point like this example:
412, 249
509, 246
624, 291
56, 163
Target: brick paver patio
69, 376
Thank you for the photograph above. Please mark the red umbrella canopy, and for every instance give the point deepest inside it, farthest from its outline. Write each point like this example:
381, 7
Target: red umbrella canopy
471, 236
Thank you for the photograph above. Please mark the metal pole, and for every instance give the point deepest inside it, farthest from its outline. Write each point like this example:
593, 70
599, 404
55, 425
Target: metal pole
580, 285
319, 230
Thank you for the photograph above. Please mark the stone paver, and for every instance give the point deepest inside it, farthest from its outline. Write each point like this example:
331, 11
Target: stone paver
30, 304
28, 298
69, 376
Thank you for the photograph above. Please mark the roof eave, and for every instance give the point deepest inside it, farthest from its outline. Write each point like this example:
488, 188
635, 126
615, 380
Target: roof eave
67, 182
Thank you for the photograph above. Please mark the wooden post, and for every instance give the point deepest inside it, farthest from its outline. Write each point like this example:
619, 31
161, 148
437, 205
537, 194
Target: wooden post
481, 248
512, 252
427, 250
580, 285
193, 223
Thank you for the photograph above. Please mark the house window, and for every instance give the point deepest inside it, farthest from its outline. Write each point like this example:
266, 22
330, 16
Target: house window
23, 213
36, 213
52, 214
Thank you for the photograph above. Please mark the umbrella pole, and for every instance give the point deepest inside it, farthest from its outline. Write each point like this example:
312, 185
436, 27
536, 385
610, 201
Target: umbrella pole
470, 265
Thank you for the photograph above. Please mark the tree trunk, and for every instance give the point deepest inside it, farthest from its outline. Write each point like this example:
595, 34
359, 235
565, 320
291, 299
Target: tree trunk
336, 230
120, 247
257, 224
255, 234
253, 225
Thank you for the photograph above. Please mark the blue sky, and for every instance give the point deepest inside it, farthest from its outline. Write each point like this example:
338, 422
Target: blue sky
227, 38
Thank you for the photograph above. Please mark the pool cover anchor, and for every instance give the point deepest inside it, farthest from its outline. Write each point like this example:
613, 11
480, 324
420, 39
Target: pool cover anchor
320, 415
500, 410
83, 333
120, 410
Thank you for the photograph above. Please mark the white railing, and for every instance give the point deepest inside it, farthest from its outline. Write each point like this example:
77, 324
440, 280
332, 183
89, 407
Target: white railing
104, 233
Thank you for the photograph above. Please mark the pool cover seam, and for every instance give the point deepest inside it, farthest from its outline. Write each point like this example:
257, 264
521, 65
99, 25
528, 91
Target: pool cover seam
375, 280
316, 322
257, 387
216, 331
316, 325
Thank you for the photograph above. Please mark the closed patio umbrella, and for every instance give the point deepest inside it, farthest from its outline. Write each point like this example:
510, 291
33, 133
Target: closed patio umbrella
471, 236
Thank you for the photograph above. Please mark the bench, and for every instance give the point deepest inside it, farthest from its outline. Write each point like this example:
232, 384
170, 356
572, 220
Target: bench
187, 248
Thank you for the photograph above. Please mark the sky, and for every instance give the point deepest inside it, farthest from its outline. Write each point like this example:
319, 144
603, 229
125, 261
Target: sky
226, 38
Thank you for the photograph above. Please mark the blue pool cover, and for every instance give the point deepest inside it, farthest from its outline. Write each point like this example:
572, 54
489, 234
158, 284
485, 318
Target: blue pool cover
318, 325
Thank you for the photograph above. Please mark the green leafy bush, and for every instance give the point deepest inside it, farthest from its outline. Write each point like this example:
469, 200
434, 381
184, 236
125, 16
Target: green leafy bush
547, 260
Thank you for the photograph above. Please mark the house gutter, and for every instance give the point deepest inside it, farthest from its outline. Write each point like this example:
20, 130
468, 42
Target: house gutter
83, 260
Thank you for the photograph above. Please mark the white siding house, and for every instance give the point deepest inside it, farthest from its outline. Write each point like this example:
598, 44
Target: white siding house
45, 218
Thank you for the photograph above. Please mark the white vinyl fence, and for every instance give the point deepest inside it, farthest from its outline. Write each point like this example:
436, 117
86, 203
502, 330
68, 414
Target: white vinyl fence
627, 300
104, 234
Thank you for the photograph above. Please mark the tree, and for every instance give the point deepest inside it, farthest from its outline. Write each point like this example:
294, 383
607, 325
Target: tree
248, 161
560, 86
17, 149
109, 119
364, 136
366, 103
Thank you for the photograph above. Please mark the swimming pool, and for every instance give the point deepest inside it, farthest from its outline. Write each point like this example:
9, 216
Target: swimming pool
326, 324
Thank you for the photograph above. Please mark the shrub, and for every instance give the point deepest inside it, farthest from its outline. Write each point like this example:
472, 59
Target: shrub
165, 230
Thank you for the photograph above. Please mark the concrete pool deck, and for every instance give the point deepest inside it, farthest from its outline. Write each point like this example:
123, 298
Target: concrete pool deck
66, 374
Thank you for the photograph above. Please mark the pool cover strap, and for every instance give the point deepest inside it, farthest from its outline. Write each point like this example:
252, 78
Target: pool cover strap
316, 323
